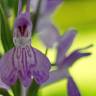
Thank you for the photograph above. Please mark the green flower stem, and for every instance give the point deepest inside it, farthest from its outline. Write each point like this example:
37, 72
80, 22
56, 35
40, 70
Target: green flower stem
6, 34
24, 91
33, 89
16, 88
46, 51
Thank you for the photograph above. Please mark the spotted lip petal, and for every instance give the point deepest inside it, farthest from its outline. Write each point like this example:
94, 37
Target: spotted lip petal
8, 73
72, 88
64, 44
47, 32
24, 59
41, 71
24, 63
32, 64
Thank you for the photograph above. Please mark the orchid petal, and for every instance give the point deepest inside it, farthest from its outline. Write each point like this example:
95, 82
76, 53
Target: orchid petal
47, 32
73, 57
46, 6
24, 60
24, 63
64, 45
72, 88
34, 4
41, 71
28, 7
20, 7
8, 73
25, 77
22, 20
56, 75
51, 5
3, 85
69, 61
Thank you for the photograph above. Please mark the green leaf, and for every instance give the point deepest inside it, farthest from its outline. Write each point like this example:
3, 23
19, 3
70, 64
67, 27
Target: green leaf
4, 92
0, 55
16, 88
6, 34
33, 89
15, 6
5, 7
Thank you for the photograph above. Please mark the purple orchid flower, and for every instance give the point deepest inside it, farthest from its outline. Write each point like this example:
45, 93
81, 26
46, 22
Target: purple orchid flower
64, 44
64, 62
46, 6
23, 62
26, 63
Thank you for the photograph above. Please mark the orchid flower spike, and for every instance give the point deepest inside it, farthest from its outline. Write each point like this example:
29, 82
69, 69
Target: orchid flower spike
23, 62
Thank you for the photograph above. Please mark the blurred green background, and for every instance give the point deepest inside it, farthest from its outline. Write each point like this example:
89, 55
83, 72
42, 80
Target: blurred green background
80, 14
